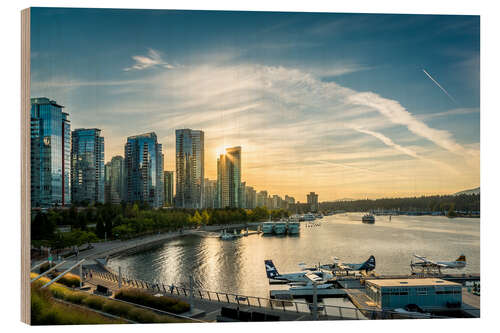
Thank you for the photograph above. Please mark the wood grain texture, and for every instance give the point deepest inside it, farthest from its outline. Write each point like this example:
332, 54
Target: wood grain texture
25, 167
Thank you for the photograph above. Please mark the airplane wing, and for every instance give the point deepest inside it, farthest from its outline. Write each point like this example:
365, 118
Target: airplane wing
425, 260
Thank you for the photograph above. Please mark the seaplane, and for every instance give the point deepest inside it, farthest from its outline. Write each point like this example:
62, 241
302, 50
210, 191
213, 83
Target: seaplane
306, 275
367, 266
427, 264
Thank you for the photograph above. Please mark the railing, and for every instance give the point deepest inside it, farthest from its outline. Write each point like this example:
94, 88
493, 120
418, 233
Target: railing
288, 306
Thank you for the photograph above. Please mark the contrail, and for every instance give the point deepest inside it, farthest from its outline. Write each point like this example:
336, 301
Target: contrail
437, 83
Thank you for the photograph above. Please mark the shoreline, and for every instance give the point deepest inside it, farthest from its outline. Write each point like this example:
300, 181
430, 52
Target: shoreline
115, 248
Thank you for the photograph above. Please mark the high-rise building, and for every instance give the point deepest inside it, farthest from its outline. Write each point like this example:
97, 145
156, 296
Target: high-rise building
189, 168
312, 201
251, 197
243, 195
144, 170
262, 199
87, 166
276, 201
210, 193
50, 154
168, 188
114, 175
229, 178
290, 200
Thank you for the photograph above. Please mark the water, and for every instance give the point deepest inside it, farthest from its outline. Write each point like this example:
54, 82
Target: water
237, 266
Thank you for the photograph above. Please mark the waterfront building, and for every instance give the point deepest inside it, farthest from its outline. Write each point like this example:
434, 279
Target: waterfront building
114, 175
290, 200
87, 166
50, 154
210, 193
312, 201
144, 170
189, 168
168, 188
427, 293
251, 197
229, 178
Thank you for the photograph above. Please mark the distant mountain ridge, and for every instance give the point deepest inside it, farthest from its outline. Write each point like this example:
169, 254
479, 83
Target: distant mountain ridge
472, 191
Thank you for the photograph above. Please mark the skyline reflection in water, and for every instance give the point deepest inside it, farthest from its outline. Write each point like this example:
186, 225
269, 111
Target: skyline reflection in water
237, 266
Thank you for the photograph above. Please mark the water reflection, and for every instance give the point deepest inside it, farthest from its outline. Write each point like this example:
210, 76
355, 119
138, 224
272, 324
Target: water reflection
237, 266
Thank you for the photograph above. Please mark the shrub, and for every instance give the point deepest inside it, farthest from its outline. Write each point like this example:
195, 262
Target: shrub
143, 316
163, 303
70, 280
117, 308
94, 302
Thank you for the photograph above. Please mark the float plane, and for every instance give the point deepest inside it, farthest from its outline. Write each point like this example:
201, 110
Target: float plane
425, 263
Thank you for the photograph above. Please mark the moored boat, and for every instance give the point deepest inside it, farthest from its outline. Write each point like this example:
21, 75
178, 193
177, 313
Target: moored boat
368, 218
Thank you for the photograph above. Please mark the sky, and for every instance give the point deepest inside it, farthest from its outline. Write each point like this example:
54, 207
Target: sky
345, 105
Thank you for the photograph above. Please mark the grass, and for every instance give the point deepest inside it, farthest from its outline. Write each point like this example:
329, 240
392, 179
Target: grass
163, 303
46, 311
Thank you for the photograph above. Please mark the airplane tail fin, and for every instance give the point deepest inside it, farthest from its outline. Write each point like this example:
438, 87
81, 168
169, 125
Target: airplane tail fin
461, 258
271, 270
368, 265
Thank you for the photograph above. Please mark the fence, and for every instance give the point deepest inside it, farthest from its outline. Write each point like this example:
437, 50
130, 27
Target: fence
287, 306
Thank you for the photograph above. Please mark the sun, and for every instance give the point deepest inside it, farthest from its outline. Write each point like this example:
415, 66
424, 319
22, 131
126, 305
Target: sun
221, 150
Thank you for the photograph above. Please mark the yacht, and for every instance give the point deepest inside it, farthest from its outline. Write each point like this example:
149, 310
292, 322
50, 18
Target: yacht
279, 228
267, 228
293, 228
368, 218
309, 217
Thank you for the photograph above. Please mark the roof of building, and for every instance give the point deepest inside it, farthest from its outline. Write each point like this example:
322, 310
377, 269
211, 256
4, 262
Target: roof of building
411, 282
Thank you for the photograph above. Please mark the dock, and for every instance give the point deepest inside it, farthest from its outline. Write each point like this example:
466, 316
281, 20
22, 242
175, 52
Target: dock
301, 293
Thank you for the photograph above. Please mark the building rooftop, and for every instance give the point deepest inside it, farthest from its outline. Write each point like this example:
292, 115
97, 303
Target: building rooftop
411, 282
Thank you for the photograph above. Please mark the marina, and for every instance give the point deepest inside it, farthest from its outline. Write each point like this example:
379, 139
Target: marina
237, 267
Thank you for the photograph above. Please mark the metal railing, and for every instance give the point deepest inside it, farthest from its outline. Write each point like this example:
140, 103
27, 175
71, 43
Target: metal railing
325, 311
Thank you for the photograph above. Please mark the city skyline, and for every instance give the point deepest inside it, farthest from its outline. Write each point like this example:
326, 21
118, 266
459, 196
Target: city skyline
323, 118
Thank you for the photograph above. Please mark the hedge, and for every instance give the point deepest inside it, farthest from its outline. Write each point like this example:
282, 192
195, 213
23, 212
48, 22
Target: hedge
163, 303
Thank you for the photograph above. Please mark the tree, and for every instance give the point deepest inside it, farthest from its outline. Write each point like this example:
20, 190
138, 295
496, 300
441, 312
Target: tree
205, 217
100, 228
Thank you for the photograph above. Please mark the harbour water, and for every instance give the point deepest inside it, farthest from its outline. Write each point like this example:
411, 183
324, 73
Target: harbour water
236, 266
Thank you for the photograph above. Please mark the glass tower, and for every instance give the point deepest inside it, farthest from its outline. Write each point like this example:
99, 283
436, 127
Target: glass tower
229, 178
144, 170
189, 168
50, 154
168, 185
115, 180
87, 166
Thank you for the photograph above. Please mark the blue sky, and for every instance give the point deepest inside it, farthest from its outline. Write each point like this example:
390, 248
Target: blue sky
333, 103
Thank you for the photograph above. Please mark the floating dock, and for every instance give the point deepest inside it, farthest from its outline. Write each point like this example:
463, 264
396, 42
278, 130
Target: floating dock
301, 293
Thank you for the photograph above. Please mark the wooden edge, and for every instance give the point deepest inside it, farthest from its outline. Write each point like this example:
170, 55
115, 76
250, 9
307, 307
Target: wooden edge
25, 167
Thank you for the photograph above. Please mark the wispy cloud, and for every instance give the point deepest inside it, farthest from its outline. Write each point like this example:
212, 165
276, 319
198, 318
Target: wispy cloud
291, 124
388, 142
152, 59
397, 114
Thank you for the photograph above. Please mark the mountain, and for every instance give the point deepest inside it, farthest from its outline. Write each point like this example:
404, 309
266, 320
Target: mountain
472, 191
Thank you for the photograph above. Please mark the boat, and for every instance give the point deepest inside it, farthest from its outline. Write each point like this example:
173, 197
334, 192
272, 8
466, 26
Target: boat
279, 228
225, 235
293, 228
368, 218
309, 217
267, 228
